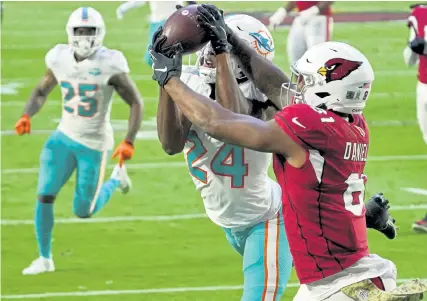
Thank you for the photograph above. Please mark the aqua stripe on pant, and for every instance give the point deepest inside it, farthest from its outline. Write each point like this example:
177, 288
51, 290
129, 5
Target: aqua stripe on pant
267, 261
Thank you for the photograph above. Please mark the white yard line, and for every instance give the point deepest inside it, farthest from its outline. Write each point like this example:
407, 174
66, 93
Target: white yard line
114, 219
147, 134
58, 103
143, 291
150, 135
418, 191
155, 165
117, 101
397, 158
156, 218
147, 77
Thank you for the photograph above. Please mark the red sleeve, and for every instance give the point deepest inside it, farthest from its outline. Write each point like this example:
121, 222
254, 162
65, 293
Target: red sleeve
302, 124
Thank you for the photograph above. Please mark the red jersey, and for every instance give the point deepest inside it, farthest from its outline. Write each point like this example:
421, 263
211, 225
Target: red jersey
418, 20
303, 5
323, 204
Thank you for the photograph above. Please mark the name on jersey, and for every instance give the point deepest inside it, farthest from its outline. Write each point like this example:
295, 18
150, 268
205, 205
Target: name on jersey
356, 151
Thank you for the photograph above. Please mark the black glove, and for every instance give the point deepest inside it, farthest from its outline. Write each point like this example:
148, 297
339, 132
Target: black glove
378, 217
165, 65
212, 19
418, 45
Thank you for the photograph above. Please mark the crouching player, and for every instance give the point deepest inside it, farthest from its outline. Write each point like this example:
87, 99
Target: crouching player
88, 74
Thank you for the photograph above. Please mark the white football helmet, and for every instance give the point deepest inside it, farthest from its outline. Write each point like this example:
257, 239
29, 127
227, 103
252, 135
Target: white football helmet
333, 74
86, 17
248, 29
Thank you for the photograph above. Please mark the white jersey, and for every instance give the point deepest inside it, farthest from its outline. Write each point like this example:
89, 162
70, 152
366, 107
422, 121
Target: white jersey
161, 10
234, 183
86, 94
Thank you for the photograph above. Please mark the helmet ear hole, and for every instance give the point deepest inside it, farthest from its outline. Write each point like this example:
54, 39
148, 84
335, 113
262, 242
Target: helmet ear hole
323, 94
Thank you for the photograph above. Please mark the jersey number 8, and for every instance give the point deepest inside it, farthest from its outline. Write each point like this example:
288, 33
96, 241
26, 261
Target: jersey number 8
355, 194
237, 170
88, 106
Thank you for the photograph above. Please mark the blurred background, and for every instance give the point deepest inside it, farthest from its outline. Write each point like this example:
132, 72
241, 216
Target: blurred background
156, 239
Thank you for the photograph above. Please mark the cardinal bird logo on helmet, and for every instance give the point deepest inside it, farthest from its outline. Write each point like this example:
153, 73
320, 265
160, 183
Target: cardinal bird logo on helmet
337, 69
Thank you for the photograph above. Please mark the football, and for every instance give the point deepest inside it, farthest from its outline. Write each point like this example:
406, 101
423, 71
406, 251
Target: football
182, 27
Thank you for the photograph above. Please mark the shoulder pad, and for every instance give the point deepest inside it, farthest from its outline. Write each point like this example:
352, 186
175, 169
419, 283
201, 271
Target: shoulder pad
114, 60
303, 124
55, 55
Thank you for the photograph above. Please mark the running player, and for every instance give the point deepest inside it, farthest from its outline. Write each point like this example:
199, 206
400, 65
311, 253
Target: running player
416, 53
88, 74
312, 25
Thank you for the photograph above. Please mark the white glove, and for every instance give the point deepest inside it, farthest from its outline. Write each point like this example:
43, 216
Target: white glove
277, 18
307, 14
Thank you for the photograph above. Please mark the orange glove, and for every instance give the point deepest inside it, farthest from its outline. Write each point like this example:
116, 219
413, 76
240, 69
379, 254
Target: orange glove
23, 125
124, 151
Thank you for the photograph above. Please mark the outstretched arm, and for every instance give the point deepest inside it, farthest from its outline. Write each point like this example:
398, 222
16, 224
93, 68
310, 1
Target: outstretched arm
277, 18
172, 125
220, 123
266, 76
39, 95
127, 90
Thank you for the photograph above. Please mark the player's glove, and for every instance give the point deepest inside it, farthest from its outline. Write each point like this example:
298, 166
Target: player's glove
212, 19
123, 152
23, 125
166, 63
277, 18
378, 217
418, 45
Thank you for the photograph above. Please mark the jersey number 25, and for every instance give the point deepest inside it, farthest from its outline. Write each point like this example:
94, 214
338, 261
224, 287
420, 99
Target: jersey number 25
237, 170
88, 106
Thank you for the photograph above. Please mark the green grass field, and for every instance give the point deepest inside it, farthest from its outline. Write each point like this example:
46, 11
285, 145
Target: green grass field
187, 253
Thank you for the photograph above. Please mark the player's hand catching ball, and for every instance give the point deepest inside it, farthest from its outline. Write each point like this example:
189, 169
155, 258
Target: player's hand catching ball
23, 125
378, 217
123, 152
165, 65
212, 19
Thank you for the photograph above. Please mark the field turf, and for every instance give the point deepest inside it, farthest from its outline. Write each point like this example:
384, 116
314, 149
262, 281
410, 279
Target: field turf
178, 257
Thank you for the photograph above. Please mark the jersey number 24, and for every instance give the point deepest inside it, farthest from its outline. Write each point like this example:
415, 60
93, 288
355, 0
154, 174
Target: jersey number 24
237, 170
88, 106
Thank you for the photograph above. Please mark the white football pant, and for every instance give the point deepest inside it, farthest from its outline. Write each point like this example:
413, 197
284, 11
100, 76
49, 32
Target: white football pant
302, 37
422, 108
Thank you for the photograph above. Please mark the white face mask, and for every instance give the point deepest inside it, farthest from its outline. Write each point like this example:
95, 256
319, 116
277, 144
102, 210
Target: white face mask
84, 45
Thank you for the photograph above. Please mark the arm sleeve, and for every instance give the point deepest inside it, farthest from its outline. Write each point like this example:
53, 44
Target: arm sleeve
302, 124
